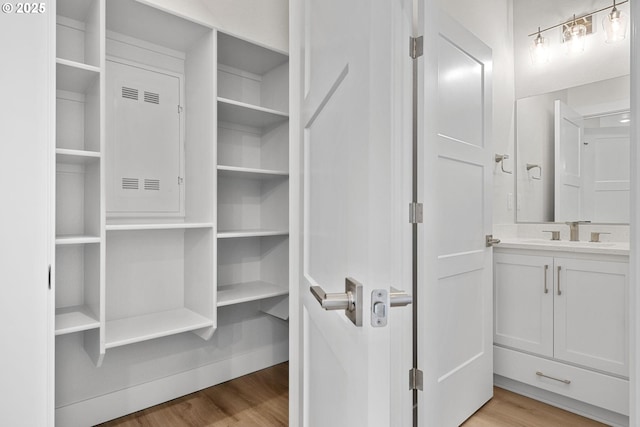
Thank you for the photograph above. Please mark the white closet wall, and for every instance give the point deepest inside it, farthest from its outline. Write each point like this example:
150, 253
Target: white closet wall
153, 305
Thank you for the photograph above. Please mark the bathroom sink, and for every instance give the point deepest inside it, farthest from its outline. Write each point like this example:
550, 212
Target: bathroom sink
568, 243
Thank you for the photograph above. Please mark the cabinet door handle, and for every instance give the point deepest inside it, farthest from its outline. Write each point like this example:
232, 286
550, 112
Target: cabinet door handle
540, 374
546, 289
559, 291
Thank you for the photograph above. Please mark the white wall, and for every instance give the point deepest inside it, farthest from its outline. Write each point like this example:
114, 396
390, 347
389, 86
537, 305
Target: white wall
265, 22
490, 21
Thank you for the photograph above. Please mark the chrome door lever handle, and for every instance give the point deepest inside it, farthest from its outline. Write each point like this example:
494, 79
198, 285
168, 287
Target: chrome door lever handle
490, 241
398, 298
335, 301
350, 300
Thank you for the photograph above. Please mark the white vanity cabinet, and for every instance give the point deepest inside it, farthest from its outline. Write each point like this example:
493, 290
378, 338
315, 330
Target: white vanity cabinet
561, 324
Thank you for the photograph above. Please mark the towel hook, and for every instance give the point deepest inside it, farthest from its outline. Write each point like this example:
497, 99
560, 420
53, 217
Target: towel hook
500, 159
533, 166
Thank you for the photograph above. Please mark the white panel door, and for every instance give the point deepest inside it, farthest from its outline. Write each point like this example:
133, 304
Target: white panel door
348, 206
591, 314
569, 129
455, 302
27, 43
523, 302
610, 176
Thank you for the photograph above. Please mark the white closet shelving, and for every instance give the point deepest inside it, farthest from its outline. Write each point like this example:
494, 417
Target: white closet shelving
253, 173
79, 142
172, 198
160, 267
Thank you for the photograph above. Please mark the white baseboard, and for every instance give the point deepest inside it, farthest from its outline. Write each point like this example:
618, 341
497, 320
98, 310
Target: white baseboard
589, 411
122, 402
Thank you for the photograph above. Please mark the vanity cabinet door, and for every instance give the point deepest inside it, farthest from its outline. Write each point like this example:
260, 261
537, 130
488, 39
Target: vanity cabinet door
523, 302
591, 314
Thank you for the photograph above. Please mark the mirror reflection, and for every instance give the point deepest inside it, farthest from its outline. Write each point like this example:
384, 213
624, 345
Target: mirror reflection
573, 154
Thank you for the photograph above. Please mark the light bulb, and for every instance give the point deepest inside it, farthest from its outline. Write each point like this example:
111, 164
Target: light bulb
540, 50
574, 37
615, 25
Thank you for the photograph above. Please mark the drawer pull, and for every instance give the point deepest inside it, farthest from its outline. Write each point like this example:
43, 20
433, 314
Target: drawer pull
546, 289
559, 291
540, 374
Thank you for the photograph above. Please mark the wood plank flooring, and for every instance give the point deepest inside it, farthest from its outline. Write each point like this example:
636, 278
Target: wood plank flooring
508, 409
257, 400
261, 400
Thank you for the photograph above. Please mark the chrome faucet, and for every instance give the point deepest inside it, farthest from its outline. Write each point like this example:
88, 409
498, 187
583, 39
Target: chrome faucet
574, 230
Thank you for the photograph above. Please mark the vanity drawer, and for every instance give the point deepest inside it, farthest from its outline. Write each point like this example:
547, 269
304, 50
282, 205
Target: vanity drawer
587, 386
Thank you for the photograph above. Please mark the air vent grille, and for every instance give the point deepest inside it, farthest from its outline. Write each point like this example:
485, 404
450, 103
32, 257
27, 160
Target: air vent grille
151, 97
129, 93
130, 183
152, 184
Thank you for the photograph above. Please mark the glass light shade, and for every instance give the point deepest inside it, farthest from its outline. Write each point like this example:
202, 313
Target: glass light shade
539, 51
615, 26
574, 38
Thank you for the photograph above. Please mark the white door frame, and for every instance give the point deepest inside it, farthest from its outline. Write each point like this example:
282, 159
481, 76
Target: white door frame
634, 257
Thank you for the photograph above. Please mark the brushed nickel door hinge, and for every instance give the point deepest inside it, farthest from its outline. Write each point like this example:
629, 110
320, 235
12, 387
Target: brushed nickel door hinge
415, 379
416, 47
415, 213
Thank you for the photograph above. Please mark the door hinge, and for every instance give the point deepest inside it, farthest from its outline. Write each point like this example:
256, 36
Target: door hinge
416, 47
415, 213
180, 109
49, 277
180, 180
415, 379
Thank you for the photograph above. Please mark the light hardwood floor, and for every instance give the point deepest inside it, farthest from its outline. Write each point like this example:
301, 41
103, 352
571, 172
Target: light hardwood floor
508, 409
257, 400
261, 400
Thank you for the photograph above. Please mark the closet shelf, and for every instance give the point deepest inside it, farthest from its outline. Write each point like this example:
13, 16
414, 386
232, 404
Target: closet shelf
75, 319
76, 157
251, 173
165, 226
74, 9
75, 76
74, 239
248, 115
248, 291
155, 325
232, 234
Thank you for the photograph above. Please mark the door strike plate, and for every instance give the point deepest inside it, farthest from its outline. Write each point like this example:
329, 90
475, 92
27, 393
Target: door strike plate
379, 307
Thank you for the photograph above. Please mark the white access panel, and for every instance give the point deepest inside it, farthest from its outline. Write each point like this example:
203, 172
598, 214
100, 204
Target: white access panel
144, 143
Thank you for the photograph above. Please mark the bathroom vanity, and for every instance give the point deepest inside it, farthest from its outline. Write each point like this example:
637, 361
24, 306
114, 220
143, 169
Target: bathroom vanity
561, 324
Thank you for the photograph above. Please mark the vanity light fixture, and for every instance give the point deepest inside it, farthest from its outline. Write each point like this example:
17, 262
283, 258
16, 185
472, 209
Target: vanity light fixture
574, 30
540, 49
615, 25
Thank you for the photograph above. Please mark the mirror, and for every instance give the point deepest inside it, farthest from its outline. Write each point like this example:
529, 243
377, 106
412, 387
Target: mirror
573, 154
572, 123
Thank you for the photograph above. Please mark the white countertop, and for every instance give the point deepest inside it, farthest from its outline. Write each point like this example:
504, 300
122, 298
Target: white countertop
606, 248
